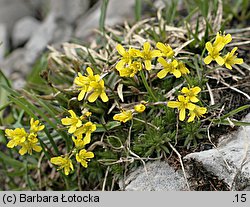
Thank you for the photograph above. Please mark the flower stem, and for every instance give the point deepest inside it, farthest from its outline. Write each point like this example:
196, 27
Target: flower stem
188, 80
147, 86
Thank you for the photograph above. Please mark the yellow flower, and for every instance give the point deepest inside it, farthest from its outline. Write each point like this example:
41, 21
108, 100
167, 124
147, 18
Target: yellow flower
35, 126
79, 142
214, 53
130, 70
98, 90
191, 93
140, 108
182, 68
83, 82
165, 49
84, 157
222, 39
74, 121
182, 104
231, 59
197, 112
85, 114
30, 144
86, 129
64, 163
127, 56
16, 136
168, 68
124, 116
148, 55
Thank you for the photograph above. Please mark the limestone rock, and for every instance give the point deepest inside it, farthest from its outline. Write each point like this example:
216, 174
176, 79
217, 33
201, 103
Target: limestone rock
3, 41
63, 33
67, 10
23, 30
158, 177
11, 11
14, 62
40, 39
117, 12
234, 150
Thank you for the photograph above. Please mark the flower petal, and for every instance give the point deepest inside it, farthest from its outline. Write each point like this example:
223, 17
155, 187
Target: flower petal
209, 47
196, 90
146, 47
173, 104
81, 95
161, 46
120, 64
162, 73
121, 50
163, 62
72, 113
238, 61
92, 98
148, 64
181, 98
208, 59
228, 66
67, 121
89, 71
156, 53
37, 148
104, 97
185, 90
190, 106
191, 118
72, 129
182, 114
194, 99
177, 73
23, 150
219, 60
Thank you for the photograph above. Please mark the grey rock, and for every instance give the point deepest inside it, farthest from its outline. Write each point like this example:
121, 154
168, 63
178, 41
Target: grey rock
15, 62
158, 176
117, 12
63, 33
40, 39
234, 150
67, 10
11, 11
4, 43
23, 30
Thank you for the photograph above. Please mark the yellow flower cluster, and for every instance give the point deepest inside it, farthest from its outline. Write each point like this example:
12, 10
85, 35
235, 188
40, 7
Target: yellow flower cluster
27, 141
91, 84
186, 101
78, 126
170, 65
214, 52
65, 162
134, 60
127, 115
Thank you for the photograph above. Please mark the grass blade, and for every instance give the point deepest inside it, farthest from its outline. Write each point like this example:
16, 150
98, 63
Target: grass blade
138, 5
103, 15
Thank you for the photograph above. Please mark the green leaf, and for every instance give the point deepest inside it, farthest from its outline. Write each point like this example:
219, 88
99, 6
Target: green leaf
138, 4
110, 125
103, 15
34, 76
14, 163
236, 123
235, 111
3, 94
